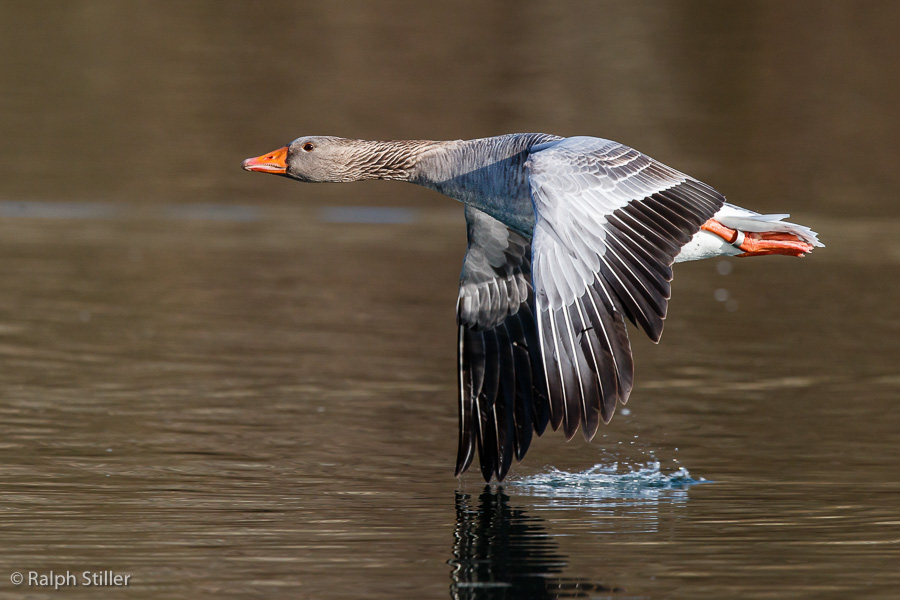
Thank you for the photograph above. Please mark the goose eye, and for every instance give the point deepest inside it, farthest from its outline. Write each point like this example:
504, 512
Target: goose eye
309, 146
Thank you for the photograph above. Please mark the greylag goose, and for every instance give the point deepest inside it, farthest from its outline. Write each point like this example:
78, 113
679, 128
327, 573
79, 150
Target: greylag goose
566, 238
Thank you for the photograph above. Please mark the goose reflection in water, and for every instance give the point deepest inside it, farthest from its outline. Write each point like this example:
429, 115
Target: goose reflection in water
502, 552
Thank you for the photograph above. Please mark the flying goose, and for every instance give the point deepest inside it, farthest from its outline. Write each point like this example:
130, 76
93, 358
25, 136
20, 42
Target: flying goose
566, 238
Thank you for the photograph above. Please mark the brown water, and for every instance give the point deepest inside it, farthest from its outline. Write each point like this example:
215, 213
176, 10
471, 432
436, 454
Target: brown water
221, 385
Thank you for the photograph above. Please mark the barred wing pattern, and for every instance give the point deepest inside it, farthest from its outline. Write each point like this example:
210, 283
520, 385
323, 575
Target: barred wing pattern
502, 393
609, 223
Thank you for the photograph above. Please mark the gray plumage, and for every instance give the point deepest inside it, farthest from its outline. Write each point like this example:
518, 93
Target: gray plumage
567, 237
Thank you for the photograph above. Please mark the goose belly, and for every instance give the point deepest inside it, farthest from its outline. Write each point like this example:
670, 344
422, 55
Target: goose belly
705, 245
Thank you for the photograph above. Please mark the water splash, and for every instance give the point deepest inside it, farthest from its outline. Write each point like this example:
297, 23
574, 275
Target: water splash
648, 476
619, 497
610, 485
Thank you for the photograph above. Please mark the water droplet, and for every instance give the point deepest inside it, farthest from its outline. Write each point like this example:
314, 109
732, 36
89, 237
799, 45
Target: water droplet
724, 267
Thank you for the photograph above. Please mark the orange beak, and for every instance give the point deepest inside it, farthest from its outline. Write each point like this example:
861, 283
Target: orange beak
273, 162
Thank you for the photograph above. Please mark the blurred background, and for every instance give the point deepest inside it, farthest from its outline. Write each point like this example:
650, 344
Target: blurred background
220, 384
156, 101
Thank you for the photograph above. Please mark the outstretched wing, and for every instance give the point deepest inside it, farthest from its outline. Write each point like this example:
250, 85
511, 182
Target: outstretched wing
609, 222
501, 389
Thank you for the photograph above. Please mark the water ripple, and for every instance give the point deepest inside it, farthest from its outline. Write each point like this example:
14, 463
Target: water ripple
382, 215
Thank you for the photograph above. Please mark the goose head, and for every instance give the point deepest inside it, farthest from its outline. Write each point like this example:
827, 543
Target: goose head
321, 158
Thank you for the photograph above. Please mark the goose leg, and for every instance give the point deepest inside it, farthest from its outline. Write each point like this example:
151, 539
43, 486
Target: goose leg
759, 243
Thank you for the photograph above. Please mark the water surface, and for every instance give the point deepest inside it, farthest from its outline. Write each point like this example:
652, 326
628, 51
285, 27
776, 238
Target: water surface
234, 386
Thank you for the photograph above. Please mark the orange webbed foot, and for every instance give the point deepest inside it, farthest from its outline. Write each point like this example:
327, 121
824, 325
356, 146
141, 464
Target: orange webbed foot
759, 243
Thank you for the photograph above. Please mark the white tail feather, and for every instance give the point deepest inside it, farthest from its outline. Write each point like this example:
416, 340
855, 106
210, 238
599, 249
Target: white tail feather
747, 220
